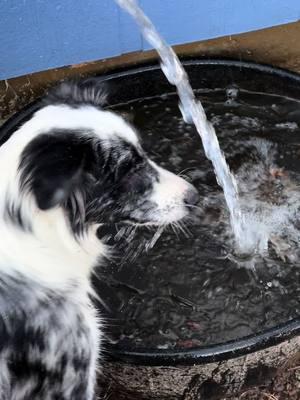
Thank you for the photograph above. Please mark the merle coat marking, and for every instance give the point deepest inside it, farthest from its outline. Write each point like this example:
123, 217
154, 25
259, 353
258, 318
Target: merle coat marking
69, 169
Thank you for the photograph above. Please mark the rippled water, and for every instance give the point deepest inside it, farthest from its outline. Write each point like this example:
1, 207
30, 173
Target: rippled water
190, 289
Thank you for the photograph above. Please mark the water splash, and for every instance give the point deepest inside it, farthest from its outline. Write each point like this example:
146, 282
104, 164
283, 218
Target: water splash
193, 112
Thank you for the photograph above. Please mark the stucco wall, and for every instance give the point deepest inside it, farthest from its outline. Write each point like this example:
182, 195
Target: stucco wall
36, 35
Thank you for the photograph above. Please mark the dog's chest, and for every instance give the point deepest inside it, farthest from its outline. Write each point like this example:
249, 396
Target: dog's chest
50, 344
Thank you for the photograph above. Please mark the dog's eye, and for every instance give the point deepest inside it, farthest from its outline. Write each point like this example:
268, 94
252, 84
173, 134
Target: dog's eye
124, 169
135, 183
129, 163
139, 180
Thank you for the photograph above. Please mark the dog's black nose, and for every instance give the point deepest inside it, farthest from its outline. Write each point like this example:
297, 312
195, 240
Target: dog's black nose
191, 197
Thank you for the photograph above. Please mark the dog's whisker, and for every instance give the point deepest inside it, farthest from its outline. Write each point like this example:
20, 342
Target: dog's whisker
176, 229
182, 229
186, 170
194, 207
184, 176
155, 238
188, 231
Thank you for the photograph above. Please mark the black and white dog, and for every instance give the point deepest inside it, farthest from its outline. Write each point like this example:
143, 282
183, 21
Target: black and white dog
70, 168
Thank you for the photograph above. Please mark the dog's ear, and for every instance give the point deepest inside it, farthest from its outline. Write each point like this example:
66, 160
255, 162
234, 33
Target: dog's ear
54, 165
91, 90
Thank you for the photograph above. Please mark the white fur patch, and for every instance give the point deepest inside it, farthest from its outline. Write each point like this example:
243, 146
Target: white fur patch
168, 194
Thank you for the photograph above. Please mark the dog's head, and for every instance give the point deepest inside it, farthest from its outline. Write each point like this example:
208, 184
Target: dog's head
71, 168
91, 163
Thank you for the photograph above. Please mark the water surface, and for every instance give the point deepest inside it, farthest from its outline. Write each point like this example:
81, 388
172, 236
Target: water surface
190, 289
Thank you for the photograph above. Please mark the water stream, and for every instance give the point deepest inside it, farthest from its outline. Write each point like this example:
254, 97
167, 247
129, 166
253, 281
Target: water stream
192, 111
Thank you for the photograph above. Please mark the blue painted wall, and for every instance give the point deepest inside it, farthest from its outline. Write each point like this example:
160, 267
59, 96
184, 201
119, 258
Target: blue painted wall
41, 34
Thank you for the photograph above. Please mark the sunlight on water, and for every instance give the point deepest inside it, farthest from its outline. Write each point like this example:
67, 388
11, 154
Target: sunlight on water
193, 112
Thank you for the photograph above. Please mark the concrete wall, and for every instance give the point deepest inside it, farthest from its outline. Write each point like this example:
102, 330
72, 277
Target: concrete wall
36, 35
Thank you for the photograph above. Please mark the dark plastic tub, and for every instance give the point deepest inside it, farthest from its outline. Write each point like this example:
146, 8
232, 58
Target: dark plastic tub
148, 81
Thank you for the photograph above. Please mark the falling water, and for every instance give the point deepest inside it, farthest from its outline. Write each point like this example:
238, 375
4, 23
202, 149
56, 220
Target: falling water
193, 112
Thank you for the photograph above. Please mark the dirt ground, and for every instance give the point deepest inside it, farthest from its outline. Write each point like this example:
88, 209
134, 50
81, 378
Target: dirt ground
284, 386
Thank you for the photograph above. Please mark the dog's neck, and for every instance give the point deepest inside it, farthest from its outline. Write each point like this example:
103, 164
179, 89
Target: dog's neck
46, 250
49, 252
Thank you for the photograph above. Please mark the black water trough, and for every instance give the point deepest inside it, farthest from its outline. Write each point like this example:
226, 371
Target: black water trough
188, 364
